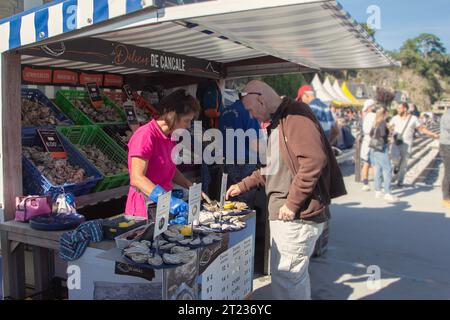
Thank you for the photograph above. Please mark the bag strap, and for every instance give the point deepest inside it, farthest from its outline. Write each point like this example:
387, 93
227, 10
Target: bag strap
406, 126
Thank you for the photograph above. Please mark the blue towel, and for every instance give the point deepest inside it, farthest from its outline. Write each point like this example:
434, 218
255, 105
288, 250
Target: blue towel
74, 243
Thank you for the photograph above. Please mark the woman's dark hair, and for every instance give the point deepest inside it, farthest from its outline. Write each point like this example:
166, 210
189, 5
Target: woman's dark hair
177, 104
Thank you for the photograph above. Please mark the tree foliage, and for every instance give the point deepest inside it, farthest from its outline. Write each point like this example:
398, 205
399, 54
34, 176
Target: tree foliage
285, 84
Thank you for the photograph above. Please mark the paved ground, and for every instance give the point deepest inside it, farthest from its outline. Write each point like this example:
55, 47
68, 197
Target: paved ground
409, 242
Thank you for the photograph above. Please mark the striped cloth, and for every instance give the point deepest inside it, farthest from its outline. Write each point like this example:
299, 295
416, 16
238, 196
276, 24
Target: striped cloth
74, 243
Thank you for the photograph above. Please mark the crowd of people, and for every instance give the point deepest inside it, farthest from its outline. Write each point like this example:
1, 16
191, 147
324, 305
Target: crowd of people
386, 145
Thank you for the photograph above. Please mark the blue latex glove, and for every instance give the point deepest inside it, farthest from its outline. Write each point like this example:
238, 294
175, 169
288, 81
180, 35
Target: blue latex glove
176, 205
181, 219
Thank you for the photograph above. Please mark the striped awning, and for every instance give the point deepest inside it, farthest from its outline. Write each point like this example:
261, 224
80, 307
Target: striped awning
310, 33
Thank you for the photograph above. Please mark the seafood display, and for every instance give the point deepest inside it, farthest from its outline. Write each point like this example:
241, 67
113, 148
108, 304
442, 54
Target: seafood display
101, 161
35, 113
57, 171
101, 114
228, 206
220, 221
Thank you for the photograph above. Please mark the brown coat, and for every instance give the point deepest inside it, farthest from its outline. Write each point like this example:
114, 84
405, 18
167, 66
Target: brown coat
306, 151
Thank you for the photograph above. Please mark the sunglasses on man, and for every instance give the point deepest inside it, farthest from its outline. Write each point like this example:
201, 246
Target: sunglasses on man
244, 94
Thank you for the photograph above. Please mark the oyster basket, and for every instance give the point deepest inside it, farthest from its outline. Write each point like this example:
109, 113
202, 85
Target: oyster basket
114, 131
63, 100
94, 135
36, 94
35, 183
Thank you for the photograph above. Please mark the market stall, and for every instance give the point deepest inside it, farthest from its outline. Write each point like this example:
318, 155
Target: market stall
75, 63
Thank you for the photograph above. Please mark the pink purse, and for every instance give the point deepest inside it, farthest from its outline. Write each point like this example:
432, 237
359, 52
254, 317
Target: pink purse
32, 206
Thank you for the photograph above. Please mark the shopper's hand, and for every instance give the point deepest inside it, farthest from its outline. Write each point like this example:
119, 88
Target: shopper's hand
285, 214
205, 197
233, 191
436, 136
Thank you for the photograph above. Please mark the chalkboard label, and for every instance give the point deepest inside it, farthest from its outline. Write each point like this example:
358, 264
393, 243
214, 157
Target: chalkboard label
127, 90
130, 111
94, 94
52, 143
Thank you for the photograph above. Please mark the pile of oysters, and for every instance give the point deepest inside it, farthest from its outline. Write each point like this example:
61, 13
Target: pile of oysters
101, 114
101, 161
35, 113
57, 171
223, 219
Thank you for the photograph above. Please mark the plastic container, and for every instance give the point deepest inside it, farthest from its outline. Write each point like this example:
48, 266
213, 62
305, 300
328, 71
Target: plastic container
63, 100
37, 184
94, 135
36, 94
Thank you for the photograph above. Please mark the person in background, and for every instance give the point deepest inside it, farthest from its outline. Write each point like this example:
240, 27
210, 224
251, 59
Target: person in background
322, 112
445, 154
380, 157
405, 125
413, 110
300, 180
368, 115
245, 158
152, 170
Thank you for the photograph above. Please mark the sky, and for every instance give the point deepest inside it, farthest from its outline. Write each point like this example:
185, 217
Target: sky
404, 19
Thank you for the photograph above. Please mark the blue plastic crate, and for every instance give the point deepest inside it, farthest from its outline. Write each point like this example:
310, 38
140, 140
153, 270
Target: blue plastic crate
32, 94
36, 184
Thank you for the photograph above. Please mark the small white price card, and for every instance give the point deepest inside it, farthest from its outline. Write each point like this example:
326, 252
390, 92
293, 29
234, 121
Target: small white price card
162, 214
195, 195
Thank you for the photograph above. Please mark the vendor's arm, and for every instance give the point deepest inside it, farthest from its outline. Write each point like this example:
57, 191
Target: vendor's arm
137, 176
181, 180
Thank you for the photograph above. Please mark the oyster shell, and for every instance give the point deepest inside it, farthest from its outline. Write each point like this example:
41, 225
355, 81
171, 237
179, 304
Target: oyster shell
184, 241
195, 242
167, 246
140, 258
171, 234
172, 258
206, 218
207, 240
136, 250
215, 226
156, 260
227, 227
187, 256
178, 249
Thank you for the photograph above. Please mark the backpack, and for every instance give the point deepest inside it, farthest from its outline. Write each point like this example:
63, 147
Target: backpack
210, 98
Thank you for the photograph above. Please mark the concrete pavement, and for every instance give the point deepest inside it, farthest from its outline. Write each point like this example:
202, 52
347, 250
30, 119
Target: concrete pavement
408, 243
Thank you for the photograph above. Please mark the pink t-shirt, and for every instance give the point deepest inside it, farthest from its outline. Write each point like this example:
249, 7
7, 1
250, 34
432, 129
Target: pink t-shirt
149, 143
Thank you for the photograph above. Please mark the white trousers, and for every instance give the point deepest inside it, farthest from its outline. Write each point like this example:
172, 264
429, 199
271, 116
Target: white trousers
292, 246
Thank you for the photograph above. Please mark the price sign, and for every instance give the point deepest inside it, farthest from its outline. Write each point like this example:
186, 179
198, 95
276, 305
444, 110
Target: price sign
52, 143
223, 189
130, 111
127, 90
195, 195
94, 94
162, 214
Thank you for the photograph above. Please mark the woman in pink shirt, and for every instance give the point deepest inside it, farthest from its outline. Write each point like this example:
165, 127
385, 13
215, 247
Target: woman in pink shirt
150, 163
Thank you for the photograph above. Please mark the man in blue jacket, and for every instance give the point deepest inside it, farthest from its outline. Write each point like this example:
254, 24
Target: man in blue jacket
242, 160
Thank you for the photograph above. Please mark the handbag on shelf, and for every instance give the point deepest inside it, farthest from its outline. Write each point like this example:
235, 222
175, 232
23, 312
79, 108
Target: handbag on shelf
28, 207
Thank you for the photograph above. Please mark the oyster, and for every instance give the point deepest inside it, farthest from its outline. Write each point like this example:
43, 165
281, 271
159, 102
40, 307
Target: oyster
146, 243
160, 243
215, 226
178, 249
139, 257
171, 234
167, 246
138, 244
206, 218
184, 241
207, 240
195, 242
214, 237
156, 260
136, 250
187, 256
227, 227
172, 258
212, 207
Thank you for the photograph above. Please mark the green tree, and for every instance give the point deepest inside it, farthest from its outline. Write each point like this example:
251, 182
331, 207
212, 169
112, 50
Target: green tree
285, 84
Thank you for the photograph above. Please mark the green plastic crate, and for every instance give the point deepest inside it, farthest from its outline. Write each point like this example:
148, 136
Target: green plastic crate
94, 135
63, 98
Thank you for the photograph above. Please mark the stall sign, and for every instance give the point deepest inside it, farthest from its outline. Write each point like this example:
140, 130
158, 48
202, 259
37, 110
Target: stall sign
129, 107
195, 194
37, 75
86, 78
113, 80
162, 214
65, 77
223, 189
52, 143
94, 94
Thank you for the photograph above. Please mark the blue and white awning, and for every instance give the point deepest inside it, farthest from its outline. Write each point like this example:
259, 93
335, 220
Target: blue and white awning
317, 34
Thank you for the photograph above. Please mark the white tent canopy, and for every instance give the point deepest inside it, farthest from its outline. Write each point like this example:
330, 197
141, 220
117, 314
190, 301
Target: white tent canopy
338, 90
321, 92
